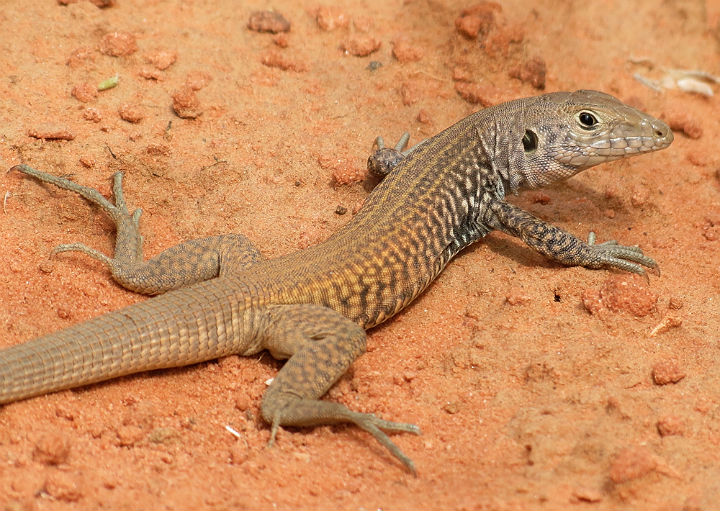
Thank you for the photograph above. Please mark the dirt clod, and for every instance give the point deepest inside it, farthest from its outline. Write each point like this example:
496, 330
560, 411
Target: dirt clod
622, 293
268, 21
330, 17
131, 113
532, 71
361, 45
670, 425
632, 463
51, 449
118, 44
186, 104
476, 21
667, 371
51, 133
85, 92
63, 486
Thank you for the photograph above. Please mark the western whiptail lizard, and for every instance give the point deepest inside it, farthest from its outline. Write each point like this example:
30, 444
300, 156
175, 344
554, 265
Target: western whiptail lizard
220, 297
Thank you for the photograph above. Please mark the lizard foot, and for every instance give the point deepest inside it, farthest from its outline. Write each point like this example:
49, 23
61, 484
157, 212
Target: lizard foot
127, 224
384, 159
373, 425
628, 258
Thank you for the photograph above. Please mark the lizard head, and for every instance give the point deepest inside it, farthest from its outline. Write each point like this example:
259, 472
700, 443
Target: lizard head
569, 132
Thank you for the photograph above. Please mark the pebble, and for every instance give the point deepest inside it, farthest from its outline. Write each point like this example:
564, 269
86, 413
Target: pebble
667, 371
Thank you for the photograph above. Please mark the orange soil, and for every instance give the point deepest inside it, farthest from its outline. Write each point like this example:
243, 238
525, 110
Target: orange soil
535, 385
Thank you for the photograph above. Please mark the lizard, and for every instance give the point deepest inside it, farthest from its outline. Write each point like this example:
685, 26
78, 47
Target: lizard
218, 296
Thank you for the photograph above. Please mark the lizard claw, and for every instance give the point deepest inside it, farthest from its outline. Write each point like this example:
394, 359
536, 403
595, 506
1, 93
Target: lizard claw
628, 258
374, 425
384, 159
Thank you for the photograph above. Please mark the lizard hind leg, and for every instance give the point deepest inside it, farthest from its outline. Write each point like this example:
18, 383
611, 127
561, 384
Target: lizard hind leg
179, 266
320, 344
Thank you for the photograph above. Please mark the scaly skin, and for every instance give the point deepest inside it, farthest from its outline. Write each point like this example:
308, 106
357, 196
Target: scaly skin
219, 297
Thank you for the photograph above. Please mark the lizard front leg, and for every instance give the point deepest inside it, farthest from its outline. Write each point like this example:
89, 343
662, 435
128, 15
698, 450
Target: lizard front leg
182, 265
562, 246
384, 159
320, 344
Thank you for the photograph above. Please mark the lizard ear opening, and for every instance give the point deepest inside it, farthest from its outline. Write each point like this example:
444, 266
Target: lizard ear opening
530, 141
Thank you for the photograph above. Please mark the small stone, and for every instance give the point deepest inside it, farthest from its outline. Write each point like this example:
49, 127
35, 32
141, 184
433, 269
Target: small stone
87, 161
540, 372
268, 21
532, 71
51, 449
281, 40
162, 435
500, 41
197, 80
129, 435
452, 408
675, 303
541, 198
517, 296
584, 494
640, 196
118, 44
667, 371
409, 376
632, 463
186, 104
92, 115
85, 92
150, 73
681, 121
51, 133
424, 117
279, 60
238, 454
670, 425
161, 59
242, 402
65, 412
47, 266
622, 293
63, 486
411, 92
478, 94
361, 45
343, 171
330, 17
157, 150
340, 210
131, 113
79, 56
478, 20
404, 51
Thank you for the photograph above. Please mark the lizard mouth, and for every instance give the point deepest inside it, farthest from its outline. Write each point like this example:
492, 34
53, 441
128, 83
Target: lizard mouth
619, 142
658, 136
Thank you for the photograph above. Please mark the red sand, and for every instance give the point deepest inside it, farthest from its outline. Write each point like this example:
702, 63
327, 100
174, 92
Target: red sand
525, 398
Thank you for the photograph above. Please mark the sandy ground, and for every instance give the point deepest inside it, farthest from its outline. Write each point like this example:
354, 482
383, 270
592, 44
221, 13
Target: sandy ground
535, 385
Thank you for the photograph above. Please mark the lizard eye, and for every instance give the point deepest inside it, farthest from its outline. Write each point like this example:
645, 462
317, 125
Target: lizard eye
529, 141
587, 120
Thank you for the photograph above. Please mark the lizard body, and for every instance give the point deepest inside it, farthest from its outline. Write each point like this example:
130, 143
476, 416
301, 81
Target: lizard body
220, 297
